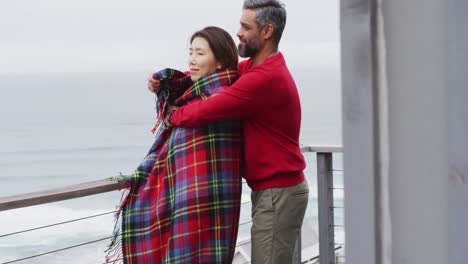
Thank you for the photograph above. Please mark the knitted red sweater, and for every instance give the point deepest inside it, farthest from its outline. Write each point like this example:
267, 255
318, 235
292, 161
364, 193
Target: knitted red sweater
266, 99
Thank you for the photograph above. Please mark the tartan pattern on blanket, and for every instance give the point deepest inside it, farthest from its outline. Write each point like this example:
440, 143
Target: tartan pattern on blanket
184, 203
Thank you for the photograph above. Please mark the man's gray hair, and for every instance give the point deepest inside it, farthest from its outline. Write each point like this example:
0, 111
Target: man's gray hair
269, 12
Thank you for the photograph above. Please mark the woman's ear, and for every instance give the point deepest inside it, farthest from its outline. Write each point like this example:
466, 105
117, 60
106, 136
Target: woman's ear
219, 67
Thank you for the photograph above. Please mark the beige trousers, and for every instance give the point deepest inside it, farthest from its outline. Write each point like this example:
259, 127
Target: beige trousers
277, 216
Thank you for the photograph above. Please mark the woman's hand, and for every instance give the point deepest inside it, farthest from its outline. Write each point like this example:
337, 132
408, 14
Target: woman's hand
170, 110
154, 85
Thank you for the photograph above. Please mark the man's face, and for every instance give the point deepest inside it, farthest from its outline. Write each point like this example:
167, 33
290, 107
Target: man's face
249, 35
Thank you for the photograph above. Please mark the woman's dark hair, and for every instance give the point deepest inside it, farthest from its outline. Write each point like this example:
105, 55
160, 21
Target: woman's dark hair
222, 45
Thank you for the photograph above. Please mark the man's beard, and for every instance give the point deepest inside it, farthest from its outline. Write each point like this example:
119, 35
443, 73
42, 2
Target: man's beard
247, 51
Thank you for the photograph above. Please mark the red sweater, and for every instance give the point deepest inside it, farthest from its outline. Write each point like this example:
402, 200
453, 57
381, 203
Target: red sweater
265, 98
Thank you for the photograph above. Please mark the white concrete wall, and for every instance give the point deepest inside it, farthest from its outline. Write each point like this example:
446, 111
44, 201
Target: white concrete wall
418, 133
458, 130
427, 70
416, 66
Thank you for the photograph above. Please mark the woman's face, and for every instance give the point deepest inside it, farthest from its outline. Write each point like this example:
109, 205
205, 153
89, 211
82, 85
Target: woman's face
202, 61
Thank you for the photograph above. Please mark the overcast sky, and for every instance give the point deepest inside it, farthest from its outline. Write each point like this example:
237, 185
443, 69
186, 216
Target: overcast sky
143, 35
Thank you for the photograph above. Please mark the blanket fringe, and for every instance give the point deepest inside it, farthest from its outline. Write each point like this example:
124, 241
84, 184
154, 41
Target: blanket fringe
114, 251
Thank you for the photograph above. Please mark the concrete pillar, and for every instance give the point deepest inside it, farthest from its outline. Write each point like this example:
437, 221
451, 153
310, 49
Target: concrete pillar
458, 127
358, 131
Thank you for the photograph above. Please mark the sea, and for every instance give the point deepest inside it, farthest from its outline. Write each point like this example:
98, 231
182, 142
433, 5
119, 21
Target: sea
59, 129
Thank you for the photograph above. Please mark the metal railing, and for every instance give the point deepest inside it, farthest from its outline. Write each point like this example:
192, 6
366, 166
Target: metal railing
327, 245
326, 207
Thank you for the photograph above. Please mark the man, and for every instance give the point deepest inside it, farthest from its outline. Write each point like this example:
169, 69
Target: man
266, 99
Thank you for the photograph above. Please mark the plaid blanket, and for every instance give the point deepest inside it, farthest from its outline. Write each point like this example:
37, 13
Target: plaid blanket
184, 201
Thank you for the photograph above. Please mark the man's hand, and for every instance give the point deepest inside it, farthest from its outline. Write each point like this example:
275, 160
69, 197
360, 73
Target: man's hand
153, 85
171, 109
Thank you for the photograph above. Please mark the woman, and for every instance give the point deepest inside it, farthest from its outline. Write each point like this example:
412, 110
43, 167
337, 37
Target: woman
184, 200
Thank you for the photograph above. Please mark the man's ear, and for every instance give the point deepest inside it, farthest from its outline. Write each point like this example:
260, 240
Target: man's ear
268, 31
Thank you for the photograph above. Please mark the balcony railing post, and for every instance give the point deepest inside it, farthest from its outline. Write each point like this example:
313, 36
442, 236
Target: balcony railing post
325, 207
